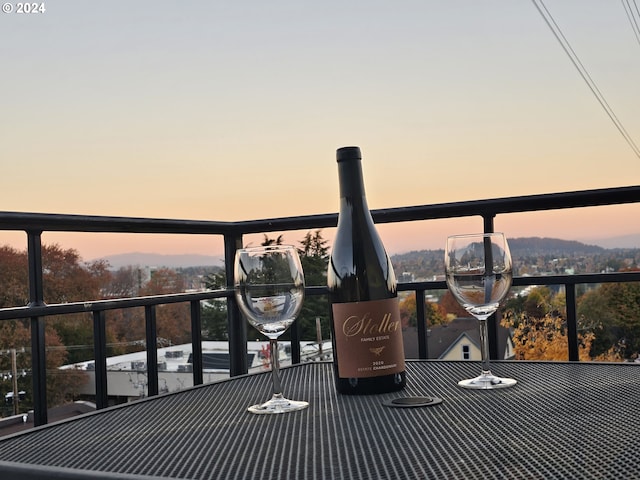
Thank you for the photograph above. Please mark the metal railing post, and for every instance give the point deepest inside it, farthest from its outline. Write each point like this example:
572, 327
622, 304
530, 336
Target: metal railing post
572, 322
100, 358
295, 342
38, 345
152, 349
196, 342
423, 337
237, 327
492, 323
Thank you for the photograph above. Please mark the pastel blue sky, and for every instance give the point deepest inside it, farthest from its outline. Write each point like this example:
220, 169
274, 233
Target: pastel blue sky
233, 110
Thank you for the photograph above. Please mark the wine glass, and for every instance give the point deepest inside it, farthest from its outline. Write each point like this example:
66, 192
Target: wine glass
479, 274
269, 288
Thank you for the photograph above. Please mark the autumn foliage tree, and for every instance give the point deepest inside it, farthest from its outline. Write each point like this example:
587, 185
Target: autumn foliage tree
69, 338
543, 339
14, 277
65, 279
434, 312
539, 327
546, 339
61, 385
452, 307
172, 319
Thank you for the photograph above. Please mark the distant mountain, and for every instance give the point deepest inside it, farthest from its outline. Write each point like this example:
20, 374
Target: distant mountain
159, 260
534, 246
427, 263
520, 247
623, 241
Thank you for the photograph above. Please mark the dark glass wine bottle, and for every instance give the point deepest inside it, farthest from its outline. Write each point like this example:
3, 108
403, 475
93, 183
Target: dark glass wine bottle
368, 353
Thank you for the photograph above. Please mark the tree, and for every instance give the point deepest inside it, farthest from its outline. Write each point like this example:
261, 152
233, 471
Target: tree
65, 279
214, 319
214, 312
124, 283
434, 313
538, 323
314, 256
14, 277
62, 385
546, 339
611, 312
271, 241
451, 306
537, 303
173, 320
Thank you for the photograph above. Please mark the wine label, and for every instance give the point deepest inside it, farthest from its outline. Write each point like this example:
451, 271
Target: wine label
368, 338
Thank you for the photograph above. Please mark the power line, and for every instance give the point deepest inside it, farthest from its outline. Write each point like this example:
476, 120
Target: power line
557, 32
632, 17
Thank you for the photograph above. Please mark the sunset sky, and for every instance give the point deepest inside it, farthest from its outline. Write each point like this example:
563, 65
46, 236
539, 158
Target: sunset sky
226, 110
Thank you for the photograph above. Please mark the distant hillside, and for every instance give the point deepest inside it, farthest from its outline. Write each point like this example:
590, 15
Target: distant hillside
426, 260
158, 260
536, 246
427, 263
623, 241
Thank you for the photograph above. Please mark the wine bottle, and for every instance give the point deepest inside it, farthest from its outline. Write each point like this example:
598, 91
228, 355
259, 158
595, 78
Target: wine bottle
366, 332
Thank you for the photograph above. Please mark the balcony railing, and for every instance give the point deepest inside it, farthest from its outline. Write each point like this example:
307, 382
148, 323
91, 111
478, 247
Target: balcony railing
37, 311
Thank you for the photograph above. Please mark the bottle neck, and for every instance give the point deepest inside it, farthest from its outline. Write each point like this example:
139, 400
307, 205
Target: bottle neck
350, 180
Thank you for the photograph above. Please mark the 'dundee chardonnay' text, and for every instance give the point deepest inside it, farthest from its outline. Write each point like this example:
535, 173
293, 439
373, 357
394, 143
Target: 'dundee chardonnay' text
368, 354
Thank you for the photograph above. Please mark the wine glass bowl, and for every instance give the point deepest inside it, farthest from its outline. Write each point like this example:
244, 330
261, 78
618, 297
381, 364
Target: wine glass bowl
269, 289
470, 291
271, 312
479, 274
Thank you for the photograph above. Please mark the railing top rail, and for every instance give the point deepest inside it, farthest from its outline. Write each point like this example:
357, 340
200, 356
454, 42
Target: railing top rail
53, 222
527, 203
490, 207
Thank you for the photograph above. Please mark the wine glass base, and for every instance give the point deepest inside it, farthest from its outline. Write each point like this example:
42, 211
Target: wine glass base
278, 404
487, 381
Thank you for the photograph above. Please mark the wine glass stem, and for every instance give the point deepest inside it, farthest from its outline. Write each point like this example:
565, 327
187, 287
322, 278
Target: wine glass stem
275, 375
484, 345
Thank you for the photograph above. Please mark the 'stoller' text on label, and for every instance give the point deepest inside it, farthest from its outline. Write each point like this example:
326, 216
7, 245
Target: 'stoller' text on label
368, 338
366, 325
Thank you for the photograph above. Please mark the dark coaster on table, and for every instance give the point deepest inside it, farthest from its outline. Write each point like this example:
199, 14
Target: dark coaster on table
412, 402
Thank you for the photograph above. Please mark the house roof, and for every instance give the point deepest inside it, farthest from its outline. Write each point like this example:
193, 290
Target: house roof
442, 337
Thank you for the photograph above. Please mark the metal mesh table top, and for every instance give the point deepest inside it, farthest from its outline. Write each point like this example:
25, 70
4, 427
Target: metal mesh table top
562, 420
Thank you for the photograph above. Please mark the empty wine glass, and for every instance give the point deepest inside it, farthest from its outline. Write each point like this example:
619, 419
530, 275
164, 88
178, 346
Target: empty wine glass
479, 274
269, 288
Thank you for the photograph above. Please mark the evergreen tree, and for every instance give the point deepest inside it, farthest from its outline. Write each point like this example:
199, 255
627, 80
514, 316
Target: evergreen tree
314, 256
214, 312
